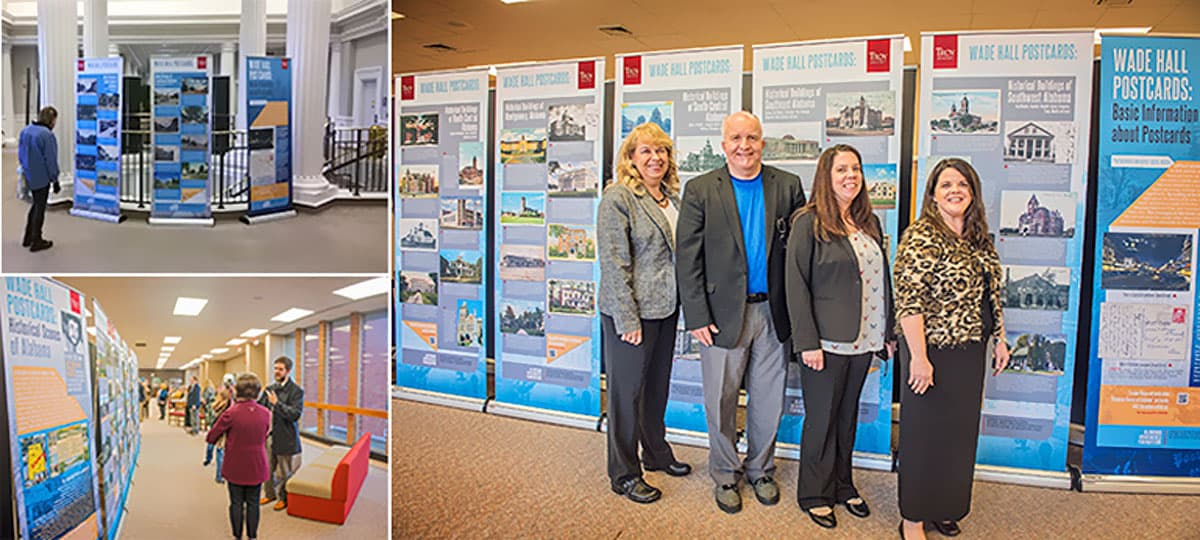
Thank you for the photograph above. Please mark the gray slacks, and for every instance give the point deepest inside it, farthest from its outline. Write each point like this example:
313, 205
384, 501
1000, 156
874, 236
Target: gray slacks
762, 360
282, 468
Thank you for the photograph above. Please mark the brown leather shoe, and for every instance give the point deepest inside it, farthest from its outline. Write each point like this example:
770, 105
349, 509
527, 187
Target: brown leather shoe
280, 505
266, 500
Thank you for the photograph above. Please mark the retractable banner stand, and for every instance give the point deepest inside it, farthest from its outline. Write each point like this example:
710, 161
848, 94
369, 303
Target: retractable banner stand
180, 132
98, 139
1017, 106
549, 133
1143, 410
688, 93
117, 419
441, 183
269, 103
811, 96
49, 392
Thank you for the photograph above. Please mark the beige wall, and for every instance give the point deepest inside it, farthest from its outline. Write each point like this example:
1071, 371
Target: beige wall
256, 355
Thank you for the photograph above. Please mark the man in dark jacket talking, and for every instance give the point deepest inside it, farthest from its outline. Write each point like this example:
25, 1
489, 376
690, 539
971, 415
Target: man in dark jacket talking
285, 398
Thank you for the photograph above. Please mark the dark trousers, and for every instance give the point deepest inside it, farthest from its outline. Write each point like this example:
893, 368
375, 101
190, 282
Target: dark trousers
830, 424
243, 508
162, 411
639, 380
37, 216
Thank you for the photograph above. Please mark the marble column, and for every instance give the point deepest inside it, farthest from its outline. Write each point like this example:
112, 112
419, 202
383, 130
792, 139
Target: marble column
335, 79
252, 41
95, 28
9, 111
57, 51
308, 47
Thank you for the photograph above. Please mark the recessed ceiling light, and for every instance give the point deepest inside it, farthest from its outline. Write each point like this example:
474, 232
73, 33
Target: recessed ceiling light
172, 340
219, 350
292, 314
206, 356
161, 362
396, 15
189, 307
235, 341
364, 289
168, 348
253, 333
513, 1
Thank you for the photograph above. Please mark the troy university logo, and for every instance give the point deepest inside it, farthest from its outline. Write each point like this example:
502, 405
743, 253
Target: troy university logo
879, 55
633, 70
587, 75
945, 52
80, 64
408, 88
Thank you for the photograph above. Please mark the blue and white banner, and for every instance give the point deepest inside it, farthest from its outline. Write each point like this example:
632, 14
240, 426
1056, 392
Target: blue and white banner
117, 417
813, 95
180, 129
1143, 409
51, 418
269, 103
1017, 106
549, 133
98, 138
440, 211
688, 93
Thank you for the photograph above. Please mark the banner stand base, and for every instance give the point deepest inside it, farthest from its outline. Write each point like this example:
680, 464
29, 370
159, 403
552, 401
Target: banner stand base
543, 415
685, 436
1024, 477
1161, 485
187, 222
263, 218
99, 216
434, 398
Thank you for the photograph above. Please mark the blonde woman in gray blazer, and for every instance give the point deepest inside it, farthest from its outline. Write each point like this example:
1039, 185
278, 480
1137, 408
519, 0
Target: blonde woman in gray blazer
639, 308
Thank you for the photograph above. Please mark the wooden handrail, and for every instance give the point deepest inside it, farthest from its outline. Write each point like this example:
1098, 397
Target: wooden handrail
347, 409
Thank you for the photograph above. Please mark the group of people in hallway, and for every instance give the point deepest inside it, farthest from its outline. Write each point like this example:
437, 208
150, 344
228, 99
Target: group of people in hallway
765, 275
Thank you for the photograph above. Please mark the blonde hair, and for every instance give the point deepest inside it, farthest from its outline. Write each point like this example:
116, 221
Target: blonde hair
627, 173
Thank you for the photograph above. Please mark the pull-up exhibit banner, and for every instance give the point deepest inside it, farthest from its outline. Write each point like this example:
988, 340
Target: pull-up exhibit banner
269, 104
441, 182
548, 158
49, 394
117, 419
688, 93
1143, 410
811, 96
180, 132
1017, 106
98, 139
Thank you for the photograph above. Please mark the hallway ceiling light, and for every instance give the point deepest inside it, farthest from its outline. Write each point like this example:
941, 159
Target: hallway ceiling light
219, 350
292, 314
396, 15
206, 356
161, 362
168, 347
513, 1
189, 307
172, 340
253, 332
365, 289
235, 341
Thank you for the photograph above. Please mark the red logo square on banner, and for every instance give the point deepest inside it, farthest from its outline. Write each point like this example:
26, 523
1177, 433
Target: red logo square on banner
587, 75
633, 70
74, 302
945, 52
408, 87
80, 65
283, 62
201, 62
879, 55
1179, 315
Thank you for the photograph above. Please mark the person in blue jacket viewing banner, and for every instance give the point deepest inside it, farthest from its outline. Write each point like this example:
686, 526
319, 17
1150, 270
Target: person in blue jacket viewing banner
37, 151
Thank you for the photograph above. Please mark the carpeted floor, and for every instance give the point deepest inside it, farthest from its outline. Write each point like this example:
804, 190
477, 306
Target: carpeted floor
338, 238
463, 474
174, 497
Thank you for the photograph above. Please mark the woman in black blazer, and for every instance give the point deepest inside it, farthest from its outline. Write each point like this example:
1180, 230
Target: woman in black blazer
840, 304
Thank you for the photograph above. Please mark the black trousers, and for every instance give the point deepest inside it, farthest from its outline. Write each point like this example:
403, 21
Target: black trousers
162, 411
830, 425
243, 507
37, 216
639, 380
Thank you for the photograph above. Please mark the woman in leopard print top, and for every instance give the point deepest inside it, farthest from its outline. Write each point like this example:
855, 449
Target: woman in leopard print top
948, 308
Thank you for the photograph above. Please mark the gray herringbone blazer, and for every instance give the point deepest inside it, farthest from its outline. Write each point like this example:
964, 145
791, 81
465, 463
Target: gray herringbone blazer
637, 259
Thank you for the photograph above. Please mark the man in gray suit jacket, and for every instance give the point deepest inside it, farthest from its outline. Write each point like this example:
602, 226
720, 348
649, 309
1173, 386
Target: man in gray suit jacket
730, 267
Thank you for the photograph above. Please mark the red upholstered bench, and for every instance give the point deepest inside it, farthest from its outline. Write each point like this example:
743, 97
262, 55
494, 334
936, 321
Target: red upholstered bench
325, 489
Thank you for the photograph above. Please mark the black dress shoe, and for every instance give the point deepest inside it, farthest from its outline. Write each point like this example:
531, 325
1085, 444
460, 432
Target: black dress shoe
26, 242
827, 521
858, 510
41, 245
675, 468
947, 528
637, 490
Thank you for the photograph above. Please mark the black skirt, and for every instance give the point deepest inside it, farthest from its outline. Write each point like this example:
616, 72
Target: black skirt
939, 431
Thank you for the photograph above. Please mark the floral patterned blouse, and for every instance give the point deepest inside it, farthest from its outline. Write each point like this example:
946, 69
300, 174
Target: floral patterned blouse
942, 277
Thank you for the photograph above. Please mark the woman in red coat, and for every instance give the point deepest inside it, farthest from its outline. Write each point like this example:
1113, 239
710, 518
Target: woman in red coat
245, 425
